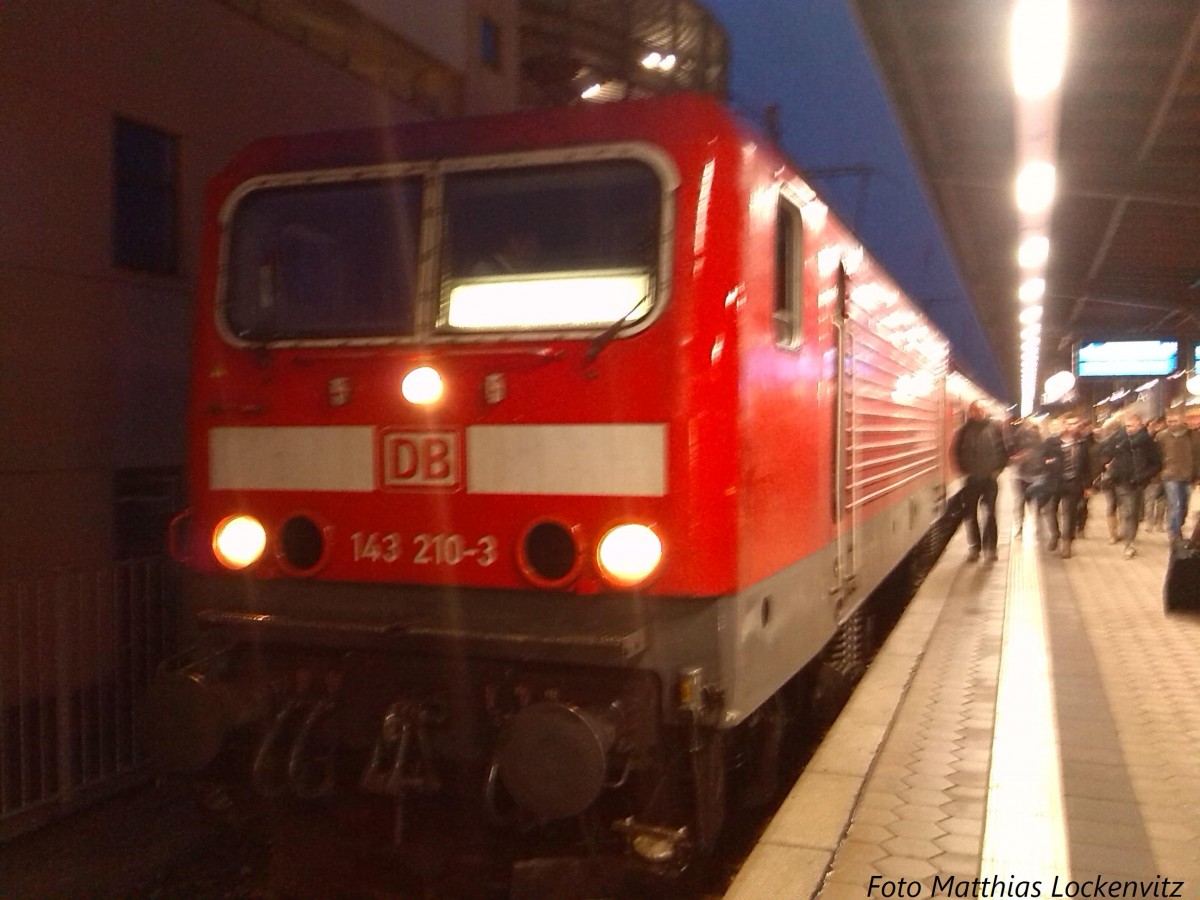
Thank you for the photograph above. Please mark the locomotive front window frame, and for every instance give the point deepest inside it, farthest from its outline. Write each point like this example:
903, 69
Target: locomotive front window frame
319, 258
624, 287
550, 247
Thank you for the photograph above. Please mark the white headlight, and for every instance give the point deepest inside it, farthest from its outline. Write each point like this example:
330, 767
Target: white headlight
422, 386
629, 554
239, 541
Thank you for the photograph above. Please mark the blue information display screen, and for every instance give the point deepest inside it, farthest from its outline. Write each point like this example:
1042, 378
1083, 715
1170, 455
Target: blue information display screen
1115, 359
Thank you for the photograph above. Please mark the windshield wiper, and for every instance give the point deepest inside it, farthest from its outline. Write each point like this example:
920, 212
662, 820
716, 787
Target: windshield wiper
604, 338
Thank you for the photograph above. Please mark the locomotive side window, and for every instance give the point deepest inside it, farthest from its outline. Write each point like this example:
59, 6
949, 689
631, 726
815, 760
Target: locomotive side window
325, 260
789, 263
571, 246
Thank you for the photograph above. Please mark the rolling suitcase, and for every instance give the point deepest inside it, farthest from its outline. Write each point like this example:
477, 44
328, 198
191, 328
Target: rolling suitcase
1181, 590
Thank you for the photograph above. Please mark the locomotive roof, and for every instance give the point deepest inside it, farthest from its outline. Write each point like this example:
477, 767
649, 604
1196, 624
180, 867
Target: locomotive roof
480, 135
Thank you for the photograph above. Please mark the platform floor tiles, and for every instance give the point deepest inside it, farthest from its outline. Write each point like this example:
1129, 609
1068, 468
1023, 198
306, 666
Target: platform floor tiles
1031, 724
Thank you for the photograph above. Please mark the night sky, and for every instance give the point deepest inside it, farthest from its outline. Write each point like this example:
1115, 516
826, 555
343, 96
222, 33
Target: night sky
806, 57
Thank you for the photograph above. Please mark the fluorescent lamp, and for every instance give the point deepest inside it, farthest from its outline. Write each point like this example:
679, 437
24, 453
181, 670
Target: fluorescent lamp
655, 60
548, 302
1034, 251
1058, 386
1038, 46
1035, 187
1032, 290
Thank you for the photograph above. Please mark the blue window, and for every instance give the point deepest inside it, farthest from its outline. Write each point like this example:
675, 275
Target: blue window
489, 43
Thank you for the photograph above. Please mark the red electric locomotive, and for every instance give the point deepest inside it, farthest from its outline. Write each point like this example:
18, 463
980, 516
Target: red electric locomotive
538, 452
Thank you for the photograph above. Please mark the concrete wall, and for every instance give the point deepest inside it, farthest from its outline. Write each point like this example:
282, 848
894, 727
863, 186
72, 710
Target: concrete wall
449, 31
93, 359
437, 28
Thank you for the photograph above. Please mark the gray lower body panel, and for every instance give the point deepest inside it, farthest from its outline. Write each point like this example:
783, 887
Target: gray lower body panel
747, 644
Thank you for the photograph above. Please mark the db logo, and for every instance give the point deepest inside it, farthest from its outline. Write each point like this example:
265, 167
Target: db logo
420, 459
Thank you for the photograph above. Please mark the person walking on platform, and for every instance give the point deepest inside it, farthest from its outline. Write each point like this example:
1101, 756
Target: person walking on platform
1026, 455
1180, 449
1086, 434
1132, 459
1104, 483
1069, 475
1155, 512
979, 453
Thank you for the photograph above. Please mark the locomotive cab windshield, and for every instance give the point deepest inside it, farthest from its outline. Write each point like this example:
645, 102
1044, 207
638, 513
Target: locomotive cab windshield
510, 247
550, 247
333, 259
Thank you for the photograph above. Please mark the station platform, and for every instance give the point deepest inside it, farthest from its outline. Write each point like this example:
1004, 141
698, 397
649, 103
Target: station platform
1031, 728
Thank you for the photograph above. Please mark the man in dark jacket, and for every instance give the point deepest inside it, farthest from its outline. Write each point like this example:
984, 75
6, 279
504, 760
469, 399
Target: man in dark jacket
1180, 449
979, 452
1069, 474
1091, 443
1025, 454
1132, 459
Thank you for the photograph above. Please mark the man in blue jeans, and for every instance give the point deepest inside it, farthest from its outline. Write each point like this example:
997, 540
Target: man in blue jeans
1180, 449
979, 452
1069, 476
1131, 457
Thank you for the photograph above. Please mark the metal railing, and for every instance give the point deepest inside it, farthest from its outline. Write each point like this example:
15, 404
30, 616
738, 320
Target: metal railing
77, 649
